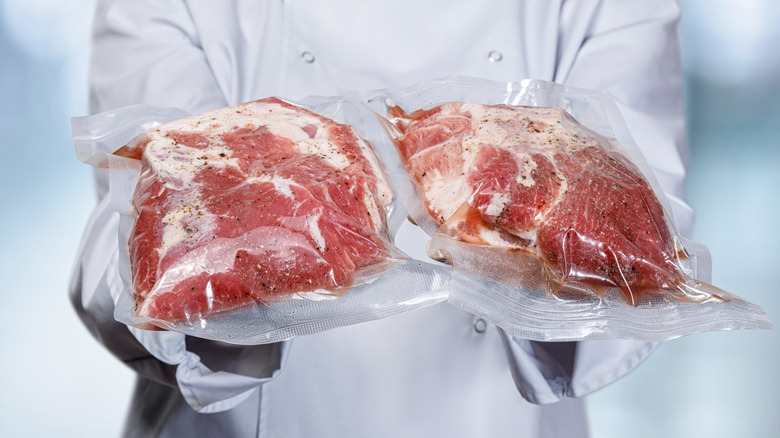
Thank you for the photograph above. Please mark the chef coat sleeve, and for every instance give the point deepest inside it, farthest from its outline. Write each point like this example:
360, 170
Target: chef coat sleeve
148, 52
629, 50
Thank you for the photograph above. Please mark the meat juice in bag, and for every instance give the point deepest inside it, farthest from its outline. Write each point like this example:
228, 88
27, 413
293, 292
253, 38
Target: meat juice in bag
555, 232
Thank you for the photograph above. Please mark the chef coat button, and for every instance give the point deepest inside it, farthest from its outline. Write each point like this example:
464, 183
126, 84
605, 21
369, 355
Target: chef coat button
480, 325
495, 56
307, 57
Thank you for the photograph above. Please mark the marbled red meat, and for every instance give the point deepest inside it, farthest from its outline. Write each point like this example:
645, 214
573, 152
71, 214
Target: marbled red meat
251, 203
533, 179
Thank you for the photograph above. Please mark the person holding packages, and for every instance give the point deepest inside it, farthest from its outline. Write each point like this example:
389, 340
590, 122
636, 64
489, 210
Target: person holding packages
438, 371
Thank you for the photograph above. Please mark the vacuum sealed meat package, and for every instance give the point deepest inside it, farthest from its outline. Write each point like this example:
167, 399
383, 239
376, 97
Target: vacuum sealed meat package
534, 181
253, 223
539, 199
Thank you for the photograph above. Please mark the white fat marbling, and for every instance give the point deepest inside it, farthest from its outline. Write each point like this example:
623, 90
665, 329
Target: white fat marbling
497, 203
283, 185
313, 224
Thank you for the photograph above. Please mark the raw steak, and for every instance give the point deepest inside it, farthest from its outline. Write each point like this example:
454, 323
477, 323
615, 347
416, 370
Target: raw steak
251, 203
533, 179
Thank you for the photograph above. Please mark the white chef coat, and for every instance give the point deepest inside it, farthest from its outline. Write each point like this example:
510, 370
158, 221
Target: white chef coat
433, 372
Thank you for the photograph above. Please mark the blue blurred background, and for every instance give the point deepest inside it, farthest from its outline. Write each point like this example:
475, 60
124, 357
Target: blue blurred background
55, 380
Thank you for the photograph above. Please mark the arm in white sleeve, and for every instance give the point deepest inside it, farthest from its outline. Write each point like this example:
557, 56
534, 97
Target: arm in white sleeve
630, 51
148, 52
90, 294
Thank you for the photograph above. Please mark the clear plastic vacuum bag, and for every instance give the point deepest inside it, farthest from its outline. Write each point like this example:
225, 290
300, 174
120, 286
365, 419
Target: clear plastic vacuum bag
252, 223
538, 197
